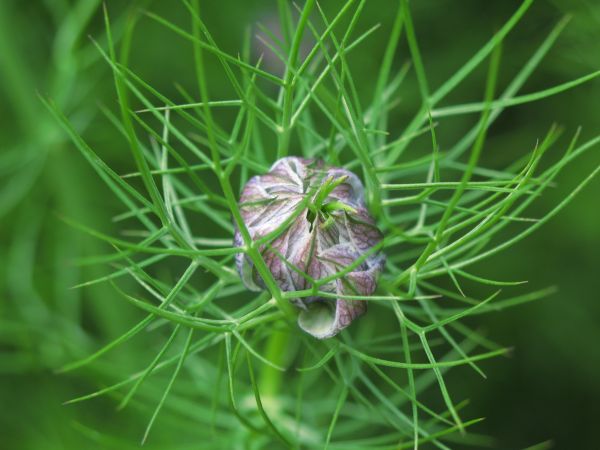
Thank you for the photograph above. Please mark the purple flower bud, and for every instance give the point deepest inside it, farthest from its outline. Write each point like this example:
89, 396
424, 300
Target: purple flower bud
313, 224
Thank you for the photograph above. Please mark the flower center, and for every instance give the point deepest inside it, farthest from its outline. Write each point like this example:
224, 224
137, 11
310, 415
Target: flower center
319, 205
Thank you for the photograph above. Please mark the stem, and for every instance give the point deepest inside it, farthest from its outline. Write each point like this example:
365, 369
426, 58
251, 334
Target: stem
289, 84
275, 351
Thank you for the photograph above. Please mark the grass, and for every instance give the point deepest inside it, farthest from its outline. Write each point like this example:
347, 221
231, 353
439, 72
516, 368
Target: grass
232, 365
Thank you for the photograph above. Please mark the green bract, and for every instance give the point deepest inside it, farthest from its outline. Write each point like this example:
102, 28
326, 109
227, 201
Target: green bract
314, 232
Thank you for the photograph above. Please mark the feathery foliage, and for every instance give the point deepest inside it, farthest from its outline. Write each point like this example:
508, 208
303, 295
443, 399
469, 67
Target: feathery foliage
232, 365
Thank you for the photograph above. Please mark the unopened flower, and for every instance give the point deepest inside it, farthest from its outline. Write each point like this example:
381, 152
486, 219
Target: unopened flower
311, 223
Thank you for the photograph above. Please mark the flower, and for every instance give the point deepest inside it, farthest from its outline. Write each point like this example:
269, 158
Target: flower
311, 223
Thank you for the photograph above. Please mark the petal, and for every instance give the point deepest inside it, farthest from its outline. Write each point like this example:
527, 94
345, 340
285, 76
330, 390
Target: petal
324, 319
350, 191
361, 231
244, 264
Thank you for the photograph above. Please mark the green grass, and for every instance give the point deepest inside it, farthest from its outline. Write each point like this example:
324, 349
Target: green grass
228, 367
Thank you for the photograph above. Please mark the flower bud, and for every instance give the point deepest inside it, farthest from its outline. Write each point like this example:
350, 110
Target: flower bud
311, 223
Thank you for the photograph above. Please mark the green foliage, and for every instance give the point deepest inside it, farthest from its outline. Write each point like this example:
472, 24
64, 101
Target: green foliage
230, 368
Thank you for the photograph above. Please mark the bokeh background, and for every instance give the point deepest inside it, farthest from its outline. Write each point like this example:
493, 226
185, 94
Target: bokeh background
549, 389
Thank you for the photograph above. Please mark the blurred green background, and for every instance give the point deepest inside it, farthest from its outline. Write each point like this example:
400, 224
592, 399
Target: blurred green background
549, 389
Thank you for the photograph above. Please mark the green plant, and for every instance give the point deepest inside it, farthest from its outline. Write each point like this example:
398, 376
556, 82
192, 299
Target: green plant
257, 370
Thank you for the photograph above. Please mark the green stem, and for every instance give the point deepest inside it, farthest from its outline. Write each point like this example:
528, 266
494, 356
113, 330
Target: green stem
275, 350
285, 128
